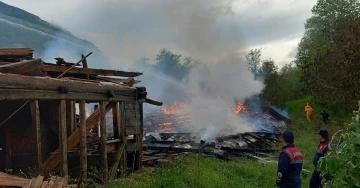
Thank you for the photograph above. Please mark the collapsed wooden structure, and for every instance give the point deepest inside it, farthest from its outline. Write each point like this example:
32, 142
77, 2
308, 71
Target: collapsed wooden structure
39, 126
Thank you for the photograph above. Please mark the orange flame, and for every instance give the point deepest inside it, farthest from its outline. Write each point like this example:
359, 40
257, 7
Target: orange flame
240, 108
171, 109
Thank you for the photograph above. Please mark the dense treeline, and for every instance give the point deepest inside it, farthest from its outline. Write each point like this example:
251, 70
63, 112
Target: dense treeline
328, 54
327, 62
281, 85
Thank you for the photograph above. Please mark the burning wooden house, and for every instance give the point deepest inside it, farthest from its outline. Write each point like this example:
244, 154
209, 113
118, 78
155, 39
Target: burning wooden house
39, 126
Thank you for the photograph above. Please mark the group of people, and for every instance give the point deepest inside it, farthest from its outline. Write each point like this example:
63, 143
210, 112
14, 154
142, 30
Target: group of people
309, 110
291, 161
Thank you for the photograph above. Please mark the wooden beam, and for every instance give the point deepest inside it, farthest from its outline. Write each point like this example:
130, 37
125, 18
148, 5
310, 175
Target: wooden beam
30, 67
88, 71
70, 117
35, 113
25, 53
116, 121
103, 138
20, 94
63, 139
123, 160
14, 81
119, 154
83, 145
73, 140
113, 80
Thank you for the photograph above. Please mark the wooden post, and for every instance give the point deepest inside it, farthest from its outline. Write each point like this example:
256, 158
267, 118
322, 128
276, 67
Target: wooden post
123, 161
63, 139
34, 105
73, 140
70, 117
103, 138
116, 121
83, 147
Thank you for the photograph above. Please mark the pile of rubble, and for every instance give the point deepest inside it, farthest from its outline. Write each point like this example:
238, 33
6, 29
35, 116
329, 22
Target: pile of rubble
161, 145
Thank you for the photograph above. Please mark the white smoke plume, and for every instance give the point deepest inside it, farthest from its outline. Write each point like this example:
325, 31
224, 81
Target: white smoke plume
213, 92
202, 29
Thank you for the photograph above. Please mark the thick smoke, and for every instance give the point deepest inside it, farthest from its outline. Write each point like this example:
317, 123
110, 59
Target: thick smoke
220, 78
213, 91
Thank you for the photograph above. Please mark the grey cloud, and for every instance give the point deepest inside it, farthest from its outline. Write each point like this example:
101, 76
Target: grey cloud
128, 29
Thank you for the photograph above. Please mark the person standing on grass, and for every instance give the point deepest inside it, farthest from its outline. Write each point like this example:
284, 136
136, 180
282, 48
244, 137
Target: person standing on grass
290, 163
325, 116
315, 181
309, 110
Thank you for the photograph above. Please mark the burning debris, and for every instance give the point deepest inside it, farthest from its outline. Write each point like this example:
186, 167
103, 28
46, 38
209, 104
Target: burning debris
167, 135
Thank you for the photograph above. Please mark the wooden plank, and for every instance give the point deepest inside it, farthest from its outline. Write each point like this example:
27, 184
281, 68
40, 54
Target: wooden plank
132, 130
116, 121
119, 154
88, 71
63, 138
70, 117
30, 67
34, 105
133, 122
103, 138
132, 147
37, 182
15, 94
14, 81
11, 180
56, 182
123, 160
74, 139
29, 184
52, 181
132, 113
16, 53
44, 184
83, 145
113, 80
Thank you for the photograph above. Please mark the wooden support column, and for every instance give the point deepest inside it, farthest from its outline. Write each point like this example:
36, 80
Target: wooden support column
103, 138
123, 162
70, 117
63, 139
73, 140
83, 146
34, 105
116, 121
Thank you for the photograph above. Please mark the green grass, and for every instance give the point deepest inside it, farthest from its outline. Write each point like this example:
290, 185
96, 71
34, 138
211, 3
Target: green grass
197, 171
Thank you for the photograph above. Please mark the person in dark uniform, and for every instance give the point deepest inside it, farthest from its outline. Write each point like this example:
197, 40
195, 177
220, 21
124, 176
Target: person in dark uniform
325, 116
323, 147
290, 163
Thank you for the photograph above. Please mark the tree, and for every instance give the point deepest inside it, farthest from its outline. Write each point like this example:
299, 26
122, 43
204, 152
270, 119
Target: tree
320, 31
253, 61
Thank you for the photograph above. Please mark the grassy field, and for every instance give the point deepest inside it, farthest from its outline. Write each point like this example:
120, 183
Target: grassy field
201, 172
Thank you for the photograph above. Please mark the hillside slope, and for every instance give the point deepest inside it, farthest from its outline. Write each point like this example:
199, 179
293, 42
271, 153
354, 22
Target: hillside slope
23, 29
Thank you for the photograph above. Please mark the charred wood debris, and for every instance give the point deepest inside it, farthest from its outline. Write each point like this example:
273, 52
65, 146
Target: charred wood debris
165, 146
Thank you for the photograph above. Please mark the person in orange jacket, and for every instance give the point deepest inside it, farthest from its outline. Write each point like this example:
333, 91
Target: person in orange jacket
309, 110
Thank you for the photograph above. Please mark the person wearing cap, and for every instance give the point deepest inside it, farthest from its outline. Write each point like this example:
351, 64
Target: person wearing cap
290, 163
322, 149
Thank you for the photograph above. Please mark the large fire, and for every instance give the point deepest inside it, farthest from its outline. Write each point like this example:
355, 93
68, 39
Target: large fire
240, 109
173, 109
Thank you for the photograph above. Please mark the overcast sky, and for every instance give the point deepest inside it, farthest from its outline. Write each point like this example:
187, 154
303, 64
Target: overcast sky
130, 29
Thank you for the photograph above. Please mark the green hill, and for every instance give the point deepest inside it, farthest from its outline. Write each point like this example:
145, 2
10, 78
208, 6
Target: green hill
19, 28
